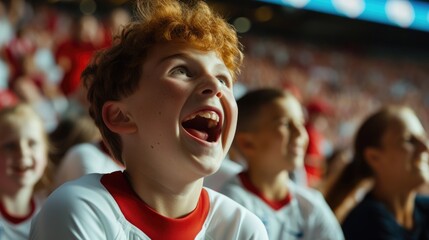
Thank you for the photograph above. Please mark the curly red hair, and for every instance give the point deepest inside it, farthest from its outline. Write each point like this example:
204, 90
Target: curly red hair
115, 72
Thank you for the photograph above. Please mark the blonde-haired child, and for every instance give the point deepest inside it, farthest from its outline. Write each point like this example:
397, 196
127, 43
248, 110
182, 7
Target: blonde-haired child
23, 164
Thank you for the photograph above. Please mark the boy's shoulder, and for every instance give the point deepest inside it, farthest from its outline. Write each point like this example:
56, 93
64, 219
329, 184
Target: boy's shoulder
234, 217
308, 199
81, 207
305, 194
87, 185
87, 191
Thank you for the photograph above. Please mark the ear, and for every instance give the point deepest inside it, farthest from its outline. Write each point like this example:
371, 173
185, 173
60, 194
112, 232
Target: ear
116, 119
372, 157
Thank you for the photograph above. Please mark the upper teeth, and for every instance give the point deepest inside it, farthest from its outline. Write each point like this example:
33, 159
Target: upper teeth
206, 114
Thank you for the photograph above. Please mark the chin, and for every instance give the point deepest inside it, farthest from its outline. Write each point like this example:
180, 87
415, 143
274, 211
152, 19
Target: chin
210, 166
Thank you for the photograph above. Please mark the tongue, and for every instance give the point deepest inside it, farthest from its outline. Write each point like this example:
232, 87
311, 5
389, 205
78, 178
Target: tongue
198, 134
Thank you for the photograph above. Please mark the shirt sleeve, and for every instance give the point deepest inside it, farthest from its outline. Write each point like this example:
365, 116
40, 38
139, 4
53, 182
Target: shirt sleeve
237, 221
71, 213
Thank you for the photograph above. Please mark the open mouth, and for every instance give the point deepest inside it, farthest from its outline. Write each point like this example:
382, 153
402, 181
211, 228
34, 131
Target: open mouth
204, 125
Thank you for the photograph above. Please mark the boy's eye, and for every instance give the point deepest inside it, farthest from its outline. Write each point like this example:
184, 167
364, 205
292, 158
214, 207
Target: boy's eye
224, 80
412, 140
221, 80
181, 71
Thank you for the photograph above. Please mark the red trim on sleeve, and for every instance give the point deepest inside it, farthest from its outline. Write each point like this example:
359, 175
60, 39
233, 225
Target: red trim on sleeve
15, 219
249, 186
154, 225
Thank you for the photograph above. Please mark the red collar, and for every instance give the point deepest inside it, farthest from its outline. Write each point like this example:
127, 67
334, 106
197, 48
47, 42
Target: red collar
15, 219
249, 186
154, 225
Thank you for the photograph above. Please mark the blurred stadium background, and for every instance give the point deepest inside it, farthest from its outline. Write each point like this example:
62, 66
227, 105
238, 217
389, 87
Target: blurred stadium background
351, 56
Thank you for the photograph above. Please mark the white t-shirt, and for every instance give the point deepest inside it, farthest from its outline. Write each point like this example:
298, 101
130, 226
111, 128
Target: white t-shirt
100, 206
303, 214
82, 159
12, 228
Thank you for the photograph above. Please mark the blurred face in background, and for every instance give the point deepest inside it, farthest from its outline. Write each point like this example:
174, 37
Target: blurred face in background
23, 153
403, 157
280, 140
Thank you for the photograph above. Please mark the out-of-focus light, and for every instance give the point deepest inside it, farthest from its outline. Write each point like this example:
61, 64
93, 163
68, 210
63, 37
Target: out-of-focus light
118, 2
296, 3
242, 24
400, 12
427, 17
351, 8
88, 7
263, 14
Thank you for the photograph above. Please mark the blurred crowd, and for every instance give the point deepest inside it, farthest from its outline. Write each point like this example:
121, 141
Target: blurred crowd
352, 83
43, 50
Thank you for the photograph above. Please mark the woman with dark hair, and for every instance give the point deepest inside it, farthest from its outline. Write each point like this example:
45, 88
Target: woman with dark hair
391, 150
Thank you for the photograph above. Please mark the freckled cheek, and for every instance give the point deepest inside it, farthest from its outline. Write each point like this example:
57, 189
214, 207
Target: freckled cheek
168, 98
173, 90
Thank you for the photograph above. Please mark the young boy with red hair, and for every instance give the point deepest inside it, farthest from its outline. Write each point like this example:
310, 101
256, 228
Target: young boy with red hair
162, 99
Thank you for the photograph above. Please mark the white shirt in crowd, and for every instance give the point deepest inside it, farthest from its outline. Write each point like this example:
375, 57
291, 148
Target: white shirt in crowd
100, 206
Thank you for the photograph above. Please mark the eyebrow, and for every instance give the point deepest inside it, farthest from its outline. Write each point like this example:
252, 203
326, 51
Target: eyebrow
176, 55
186, 57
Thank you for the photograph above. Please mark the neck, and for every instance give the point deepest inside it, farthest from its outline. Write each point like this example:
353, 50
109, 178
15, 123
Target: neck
272, 186
18, 203
400, 204
169, 200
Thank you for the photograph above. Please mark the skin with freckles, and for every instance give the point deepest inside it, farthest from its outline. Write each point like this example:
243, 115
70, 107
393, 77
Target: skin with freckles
184, 82
162, 99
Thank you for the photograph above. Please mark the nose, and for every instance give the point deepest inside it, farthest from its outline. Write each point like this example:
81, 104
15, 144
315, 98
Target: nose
299, 134
23, 150
421, 147
211, 86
